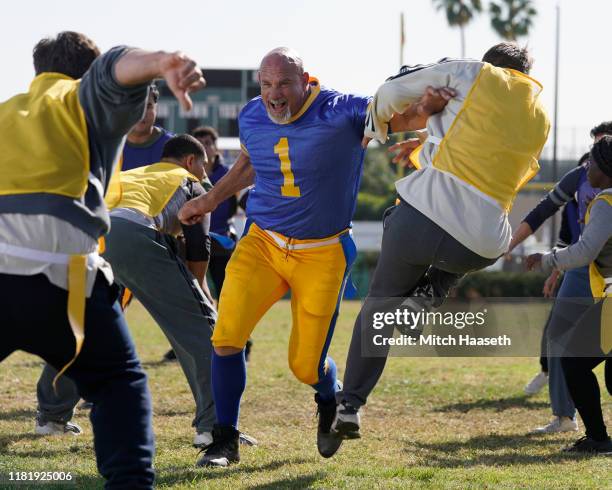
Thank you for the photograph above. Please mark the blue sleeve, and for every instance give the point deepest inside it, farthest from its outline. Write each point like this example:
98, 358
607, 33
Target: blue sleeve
243, 123
356, 108
562, 193
565, 233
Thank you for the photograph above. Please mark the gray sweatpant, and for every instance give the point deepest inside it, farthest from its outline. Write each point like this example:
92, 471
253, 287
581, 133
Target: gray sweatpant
412, 246
144, 261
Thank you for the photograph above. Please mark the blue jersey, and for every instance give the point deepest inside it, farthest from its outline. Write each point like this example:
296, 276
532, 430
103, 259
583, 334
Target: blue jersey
135, 156
307, 171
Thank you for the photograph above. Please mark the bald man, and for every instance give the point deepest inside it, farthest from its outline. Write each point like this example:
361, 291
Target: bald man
301, 147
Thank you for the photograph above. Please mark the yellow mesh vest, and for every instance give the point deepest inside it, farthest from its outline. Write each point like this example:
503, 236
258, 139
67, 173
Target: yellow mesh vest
598, 289
113, 193
148, 189
45, 149
495, 141
596, 279
44, 139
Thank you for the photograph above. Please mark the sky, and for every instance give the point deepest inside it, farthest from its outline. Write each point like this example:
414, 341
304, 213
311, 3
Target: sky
350, 45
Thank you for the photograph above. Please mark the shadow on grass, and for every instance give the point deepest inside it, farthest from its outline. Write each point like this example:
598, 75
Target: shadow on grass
498, 405
64, 449
303, 481
172, 412
156, 364
174, 475
491, 450
5, 440
19, 414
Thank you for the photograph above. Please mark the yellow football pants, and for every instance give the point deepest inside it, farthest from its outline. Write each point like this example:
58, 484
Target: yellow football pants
260, 272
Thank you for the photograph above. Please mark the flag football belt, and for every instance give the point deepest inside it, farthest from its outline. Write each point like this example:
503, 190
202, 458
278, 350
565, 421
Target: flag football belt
77, 277
287, 245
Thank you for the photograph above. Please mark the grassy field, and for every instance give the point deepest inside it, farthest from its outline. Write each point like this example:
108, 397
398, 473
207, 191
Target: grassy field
431, 423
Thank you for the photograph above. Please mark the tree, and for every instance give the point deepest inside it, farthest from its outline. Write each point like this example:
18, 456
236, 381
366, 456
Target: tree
512, 18
459, 13
377, 189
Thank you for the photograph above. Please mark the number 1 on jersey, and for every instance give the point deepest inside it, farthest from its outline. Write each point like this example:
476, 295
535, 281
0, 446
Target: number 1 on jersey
288, 189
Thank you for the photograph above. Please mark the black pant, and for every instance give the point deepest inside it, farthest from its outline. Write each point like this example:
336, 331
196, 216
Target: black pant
216, 266
584, 388
107, 371
412, 246
583, 355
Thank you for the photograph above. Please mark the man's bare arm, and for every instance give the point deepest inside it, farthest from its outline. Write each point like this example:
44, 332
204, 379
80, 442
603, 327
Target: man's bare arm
434, 100
241, 175
522, 232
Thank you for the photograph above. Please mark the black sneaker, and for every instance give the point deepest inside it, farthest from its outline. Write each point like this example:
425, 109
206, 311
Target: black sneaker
247, 350
590, 446
247, 440
348, 421
328, 442
169, 356
224, 449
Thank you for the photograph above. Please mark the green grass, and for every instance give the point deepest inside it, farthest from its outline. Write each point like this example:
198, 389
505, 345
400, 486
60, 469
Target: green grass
431, 423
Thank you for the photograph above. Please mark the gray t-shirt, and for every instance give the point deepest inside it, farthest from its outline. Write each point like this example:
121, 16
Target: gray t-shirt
110, 111
595, 244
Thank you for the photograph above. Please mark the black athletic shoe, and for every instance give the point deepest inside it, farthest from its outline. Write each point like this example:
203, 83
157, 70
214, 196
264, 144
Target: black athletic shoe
247, 350
247, 440
328, 442
348, 421
224, 449
170, 356
590, 446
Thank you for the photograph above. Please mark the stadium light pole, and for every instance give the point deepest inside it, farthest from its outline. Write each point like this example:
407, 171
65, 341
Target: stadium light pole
555, 163
402, 40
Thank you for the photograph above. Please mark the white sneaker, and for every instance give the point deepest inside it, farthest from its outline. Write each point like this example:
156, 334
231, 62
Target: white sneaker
538, 382
558, 424
56, 428
202, 439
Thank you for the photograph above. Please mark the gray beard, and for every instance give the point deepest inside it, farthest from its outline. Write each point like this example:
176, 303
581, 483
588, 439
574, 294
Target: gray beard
282, 119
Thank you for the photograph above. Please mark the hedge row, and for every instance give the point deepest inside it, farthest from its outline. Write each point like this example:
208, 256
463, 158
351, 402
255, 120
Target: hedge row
487, 284
502, 284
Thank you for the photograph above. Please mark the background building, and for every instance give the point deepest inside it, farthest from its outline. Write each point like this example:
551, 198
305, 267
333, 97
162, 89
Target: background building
227, 91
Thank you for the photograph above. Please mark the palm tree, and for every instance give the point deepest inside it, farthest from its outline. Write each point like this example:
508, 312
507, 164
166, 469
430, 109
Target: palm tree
459, 13
512, 18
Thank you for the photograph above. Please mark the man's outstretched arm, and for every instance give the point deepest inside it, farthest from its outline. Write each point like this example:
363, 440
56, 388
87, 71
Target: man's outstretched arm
241, 175
180, 72
398, 93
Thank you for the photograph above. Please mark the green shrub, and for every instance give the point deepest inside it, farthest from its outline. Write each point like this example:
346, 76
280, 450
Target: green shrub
502, 284
370, 207
486, 284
